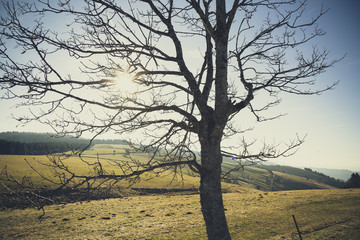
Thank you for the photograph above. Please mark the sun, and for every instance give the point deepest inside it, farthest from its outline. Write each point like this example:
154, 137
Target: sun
126, 84
123, 83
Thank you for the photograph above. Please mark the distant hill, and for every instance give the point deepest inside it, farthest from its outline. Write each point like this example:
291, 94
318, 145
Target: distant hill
26, 143
262, 177
276, 178
31, 137
29, 143
305, 173
342, 174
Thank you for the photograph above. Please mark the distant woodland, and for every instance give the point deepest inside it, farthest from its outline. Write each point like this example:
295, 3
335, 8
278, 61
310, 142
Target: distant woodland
353, 182
25, 143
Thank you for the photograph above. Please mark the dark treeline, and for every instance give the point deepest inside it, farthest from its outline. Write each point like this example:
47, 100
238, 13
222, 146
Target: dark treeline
25, 143
36, 148
29, 137
353, 182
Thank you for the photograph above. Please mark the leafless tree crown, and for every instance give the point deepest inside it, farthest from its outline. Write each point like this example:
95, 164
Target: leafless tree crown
188, 62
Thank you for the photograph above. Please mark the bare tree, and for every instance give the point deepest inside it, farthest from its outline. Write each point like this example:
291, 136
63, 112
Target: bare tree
195, 64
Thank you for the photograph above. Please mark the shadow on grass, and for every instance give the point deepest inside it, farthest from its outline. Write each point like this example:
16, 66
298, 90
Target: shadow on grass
39, 199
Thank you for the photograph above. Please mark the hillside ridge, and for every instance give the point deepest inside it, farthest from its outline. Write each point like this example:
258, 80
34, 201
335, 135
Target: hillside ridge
262, 177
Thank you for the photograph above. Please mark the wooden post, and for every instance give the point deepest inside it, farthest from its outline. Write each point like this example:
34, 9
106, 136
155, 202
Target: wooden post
297, 228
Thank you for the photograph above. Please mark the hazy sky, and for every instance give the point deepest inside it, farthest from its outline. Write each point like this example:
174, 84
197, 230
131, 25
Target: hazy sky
331, 120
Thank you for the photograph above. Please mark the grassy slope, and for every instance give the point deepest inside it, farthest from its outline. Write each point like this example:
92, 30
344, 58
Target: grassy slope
251, 177
17, 167
308, 174
263, 179
321, 214
252, 214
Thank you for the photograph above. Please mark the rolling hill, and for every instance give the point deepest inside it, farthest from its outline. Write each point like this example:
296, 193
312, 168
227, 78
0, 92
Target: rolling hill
155, 209
342, 174
263, 177
269, 180
305, 173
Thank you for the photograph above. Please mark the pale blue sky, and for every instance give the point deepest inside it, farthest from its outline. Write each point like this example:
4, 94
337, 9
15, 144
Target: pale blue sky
330, 120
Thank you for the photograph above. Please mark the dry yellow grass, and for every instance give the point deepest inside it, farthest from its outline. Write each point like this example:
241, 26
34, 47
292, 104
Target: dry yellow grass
251, 214
18, 168
321, 214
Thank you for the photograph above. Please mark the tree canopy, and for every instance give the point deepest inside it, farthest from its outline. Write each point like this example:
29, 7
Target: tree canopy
353, 182
176, 72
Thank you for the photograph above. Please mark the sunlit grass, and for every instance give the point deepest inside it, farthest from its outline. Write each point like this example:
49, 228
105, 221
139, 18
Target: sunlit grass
321, 214
18, 168
266, 180
251, 214
107, 154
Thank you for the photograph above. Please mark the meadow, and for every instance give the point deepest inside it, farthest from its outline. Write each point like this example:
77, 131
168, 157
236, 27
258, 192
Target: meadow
252, 214
251, 177
18, 168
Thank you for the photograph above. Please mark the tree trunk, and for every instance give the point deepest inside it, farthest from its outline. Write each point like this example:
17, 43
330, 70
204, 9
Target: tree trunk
210, 135
210, 192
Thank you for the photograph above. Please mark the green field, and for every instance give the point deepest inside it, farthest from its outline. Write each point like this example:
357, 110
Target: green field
251, 214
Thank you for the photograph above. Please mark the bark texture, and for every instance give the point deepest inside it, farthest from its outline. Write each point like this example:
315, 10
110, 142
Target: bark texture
212, 206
